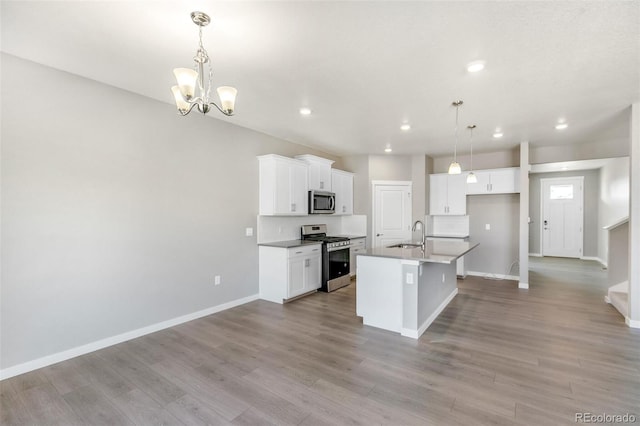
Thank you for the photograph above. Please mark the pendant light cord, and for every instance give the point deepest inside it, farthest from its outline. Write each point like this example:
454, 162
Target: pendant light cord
471, 143
455, 146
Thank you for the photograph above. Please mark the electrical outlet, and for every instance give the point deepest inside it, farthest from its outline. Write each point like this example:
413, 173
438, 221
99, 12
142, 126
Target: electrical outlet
248, 232
217, 280
409, 278
442, 277
487, 227
279, 229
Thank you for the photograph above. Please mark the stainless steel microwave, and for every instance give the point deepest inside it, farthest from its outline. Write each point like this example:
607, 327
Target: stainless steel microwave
322, 202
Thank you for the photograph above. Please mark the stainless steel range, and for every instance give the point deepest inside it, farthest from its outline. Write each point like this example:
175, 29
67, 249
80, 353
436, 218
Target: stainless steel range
335, 256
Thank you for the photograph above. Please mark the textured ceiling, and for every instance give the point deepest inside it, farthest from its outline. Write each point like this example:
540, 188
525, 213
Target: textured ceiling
364, 67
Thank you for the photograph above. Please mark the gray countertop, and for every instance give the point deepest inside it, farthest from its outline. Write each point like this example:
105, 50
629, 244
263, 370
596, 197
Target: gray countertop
435, 251
290, 243
447, 236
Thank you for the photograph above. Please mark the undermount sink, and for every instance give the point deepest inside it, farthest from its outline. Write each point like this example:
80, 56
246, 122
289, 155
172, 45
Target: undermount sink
405, 245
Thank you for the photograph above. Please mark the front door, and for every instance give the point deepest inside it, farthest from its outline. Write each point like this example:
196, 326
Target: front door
562, 216
392, 213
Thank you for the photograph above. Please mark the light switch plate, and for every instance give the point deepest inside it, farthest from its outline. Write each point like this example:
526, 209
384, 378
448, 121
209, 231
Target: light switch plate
487, 227
249, 232
409, 278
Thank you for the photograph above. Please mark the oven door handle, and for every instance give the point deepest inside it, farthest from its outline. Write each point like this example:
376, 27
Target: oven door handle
331, 250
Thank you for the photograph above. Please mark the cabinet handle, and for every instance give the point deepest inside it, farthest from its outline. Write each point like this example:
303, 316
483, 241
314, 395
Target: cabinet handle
293, 207
321, 185
306, 263
315, 249
298, 252
379, 235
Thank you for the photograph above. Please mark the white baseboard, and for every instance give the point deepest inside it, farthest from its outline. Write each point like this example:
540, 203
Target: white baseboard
524, 286
632, 323
407, 332
114, 340
535, 254
493, 276
596, 258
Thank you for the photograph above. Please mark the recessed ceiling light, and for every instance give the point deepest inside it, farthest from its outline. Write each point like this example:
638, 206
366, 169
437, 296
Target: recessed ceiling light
475, 66
561, 126
498, 135
405, 127
305, 111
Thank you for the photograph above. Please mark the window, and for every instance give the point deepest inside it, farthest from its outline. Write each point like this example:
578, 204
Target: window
561, 192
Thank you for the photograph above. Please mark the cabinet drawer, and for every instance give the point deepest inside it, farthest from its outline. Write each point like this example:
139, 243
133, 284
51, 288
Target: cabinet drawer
357, 243
304, 250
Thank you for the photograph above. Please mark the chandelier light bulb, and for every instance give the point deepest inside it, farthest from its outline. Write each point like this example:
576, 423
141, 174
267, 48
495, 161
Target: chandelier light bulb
472, 178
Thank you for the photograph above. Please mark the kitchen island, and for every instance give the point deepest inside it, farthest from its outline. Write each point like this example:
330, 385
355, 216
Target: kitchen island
403, 288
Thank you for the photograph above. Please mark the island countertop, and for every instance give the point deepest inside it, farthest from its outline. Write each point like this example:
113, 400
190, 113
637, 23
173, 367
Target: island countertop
435, 251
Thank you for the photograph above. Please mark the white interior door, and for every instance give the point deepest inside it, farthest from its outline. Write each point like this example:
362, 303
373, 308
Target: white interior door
562, 216
391, 213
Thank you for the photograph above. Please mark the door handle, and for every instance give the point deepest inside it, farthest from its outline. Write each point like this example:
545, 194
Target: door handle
379, 235
545, 225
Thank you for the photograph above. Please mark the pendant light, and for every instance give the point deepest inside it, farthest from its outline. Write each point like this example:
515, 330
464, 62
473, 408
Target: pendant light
454, 167
471, 177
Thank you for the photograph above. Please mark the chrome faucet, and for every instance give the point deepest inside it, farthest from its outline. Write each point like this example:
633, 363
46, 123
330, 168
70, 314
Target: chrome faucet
422, 243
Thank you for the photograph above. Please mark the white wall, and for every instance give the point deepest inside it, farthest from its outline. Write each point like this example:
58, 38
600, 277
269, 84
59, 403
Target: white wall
614, 200
117, 212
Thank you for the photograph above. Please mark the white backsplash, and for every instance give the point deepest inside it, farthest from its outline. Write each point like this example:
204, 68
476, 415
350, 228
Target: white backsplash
284, 228
453, 226
354, 225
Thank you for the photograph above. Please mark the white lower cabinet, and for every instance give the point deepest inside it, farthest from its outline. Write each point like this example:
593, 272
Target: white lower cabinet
286, 273
358, 245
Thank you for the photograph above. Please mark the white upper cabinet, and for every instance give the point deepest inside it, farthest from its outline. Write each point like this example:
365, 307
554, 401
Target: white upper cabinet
283, 186
447, 194
342, 186
319, 172
495, 181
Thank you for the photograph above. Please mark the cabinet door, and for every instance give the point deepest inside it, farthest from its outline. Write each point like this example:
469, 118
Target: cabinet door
482, 186
312, 272
357, 246
320, 177
282, 194
503, 181
438, 194
297, 190
336, 186
296, 276
347, 197
457, 194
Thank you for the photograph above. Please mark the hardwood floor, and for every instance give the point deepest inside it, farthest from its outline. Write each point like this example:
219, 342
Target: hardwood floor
496, 355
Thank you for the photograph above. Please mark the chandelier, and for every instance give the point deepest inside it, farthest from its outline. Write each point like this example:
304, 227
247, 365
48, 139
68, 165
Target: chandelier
454, 167
190, 80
